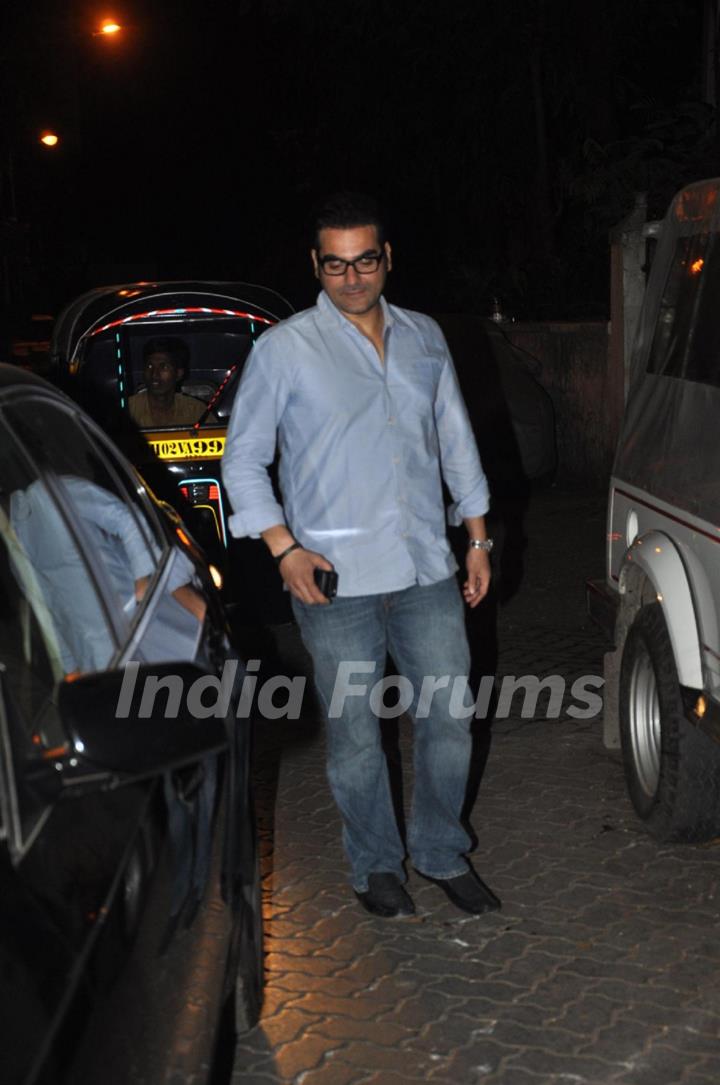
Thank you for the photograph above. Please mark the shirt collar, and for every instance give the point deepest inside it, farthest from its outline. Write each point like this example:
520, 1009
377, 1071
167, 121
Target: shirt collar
331, 311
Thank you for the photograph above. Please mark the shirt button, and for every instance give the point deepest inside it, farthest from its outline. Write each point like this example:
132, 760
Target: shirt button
390, 421
396, 459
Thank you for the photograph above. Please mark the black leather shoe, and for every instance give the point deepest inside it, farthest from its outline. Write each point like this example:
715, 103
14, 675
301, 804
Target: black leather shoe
468, 892
386, 897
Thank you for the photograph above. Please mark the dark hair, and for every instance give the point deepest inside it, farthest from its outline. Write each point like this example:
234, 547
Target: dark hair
176, 349
345, 211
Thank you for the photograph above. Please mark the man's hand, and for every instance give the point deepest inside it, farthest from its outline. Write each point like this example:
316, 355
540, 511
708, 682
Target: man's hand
298, 569
475, 588
192, 600
141, 586
186, 595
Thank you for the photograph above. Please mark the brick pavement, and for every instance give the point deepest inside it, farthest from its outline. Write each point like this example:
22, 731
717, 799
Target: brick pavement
602, 966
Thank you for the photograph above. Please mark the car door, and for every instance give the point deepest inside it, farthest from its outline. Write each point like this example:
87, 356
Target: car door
93, 887
63, 864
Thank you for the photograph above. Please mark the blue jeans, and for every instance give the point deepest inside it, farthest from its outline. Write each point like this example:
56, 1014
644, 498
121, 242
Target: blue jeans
423, 629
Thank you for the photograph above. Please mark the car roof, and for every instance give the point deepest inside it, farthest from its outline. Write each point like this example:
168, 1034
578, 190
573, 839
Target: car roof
106, 303
12, 376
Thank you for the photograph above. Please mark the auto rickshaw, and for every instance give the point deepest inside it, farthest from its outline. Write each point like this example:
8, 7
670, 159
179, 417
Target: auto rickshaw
97, 357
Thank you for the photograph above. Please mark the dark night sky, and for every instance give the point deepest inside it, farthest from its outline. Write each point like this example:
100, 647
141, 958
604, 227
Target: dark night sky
504, 136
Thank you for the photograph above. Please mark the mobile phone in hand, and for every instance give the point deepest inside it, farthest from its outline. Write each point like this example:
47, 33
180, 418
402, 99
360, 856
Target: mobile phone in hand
327, 582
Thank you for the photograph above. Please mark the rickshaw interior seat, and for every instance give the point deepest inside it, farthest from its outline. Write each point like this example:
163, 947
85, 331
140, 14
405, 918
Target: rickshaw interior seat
199, 389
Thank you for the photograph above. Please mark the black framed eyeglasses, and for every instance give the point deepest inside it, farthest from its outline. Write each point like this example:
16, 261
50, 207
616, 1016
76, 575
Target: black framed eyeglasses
365, 264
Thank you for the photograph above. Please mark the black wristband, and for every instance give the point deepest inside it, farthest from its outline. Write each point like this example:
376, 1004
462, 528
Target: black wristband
284, 554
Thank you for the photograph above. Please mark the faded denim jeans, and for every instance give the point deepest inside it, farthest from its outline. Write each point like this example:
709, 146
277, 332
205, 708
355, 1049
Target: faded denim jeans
423, 629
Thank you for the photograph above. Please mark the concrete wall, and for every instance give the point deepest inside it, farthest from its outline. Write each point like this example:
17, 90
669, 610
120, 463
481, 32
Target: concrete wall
574, 369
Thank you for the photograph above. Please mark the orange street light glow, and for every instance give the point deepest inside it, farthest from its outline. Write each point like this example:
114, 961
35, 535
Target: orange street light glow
49, 139
697, 266
109, 26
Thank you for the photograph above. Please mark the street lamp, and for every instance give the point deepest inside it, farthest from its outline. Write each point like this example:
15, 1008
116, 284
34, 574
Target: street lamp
108, 28
49, 139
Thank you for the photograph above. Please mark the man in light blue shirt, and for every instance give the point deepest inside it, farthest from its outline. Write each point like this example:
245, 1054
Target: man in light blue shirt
364, 404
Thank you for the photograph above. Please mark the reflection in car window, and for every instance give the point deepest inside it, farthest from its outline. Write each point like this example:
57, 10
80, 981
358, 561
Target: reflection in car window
49, 576
29, 647
108, 510
101, 515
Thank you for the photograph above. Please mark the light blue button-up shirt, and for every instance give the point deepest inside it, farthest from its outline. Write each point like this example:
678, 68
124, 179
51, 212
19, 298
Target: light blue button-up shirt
362, 443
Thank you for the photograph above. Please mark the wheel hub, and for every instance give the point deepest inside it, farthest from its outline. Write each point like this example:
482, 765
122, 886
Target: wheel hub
645, 733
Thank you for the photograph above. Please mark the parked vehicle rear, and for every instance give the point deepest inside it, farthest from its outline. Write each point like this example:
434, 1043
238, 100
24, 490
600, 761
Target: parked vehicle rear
660, 602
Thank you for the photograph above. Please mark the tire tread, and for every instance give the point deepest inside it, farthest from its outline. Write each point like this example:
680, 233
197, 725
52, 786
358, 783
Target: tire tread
686, 805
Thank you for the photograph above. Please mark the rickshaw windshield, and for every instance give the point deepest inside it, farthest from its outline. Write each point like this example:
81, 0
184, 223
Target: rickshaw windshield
157, 365
166, 372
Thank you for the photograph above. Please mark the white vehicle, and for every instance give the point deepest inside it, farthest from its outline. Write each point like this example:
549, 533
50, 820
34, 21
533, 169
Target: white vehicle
660, 602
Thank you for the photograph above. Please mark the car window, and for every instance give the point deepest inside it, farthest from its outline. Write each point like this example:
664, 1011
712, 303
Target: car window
703, 361
30, 647
687, 336
31, 662
106, 508
52, 624
49, 597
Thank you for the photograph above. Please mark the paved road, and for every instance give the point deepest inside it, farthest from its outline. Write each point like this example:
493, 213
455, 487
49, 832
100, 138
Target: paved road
603, 964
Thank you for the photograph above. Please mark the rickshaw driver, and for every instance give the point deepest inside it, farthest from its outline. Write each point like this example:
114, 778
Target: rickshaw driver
160, 404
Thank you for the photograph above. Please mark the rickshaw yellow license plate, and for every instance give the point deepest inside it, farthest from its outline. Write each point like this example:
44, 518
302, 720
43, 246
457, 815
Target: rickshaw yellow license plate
186, 448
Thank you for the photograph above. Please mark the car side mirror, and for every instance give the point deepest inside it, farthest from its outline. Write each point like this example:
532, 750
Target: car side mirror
151, 730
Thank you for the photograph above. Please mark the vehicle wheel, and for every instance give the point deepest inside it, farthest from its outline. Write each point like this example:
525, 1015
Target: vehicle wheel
672, 769
250, 977
134, 889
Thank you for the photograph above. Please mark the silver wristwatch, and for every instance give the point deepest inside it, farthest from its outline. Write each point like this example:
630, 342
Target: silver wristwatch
480, 544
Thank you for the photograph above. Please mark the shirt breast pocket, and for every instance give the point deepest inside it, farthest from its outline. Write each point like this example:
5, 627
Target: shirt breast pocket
420, 382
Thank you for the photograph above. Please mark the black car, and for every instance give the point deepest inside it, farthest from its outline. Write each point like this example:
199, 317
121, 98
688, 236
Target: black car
129, 893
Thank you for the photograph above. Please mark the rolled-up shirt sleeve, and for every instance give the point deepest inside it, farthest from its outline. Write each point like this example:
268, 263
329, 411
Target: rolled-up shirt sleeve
459, 457
115, 520
250, 445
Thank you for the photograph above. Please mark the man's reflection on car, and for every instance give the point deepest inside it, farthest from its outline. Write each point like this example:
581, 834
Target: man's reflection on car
124, 554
